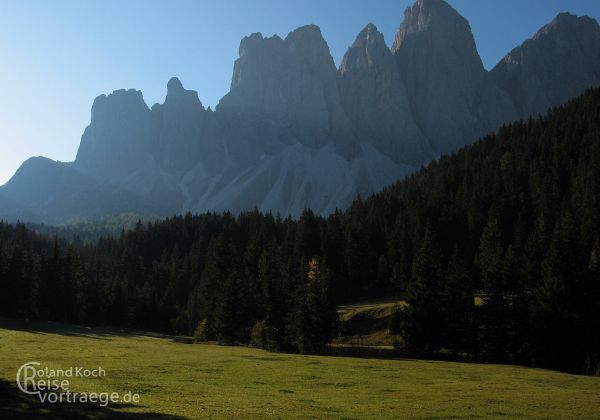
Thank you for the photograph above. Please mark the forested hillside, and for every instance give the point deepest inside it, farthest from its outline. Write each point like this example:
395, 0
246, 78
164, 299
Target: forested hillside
497, 249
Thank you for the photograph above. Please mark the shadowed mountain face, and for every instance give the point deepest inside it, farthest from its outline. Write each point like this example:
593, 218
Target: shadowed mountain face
376, 100
295, 132
560, 61
452, 98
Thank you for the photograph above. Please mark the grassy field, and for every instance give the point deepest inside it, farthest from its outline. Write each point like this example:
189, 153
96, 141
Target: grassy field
194, 380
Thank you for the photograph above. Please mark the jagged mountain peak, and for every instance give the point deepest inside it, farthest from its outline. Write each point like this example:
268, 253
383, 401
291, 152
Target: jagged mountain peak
291, 86
443, 73
560, 61
566, 22
310, 32
270, 54
177, 94
118, 136
369, 29
174, 85
369, 49
130, 94
308, 43
433, 28
255, 42
294, 131
249, 42
375, 99
431, 15
369, 35
117, 104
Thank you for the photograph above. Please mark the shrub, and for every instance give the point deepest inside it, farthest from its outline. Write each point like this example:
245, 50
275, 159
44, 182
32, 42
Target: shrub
257, 334
395, 323
264, 336
200, 331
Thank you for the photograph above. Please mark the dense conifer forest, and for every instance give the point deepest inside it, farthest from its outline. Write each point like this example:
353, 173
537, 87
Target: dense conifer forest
496, 249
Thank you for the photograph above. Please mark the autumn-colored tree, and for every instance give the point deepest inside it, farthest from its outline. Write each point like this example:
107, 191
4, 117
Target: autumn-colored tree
312, 324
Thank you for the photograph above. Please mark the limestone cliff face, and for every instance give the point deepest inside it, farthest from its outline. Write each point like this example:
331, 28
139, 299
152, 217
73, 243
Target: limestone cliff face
295, 132
119, 137
559, 62
286, 91
186, 133
179, 122
376, 100
447, 85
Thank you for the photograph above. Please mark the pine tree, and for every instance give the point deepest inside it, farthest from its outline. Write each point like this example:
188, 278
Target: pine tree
422, 326
308, 236
167, 310
457, 306
229, 313
69, 286
495, 307
51, 284
333, 252
555, 310
118, 313
518, 301
14, 282
4, 282
313, 323
219, 258
274, 297
383, 274
592, 309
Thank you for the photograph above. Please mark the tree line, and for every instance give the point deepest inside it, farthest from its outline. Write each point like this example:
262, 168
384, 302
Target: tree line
496, 249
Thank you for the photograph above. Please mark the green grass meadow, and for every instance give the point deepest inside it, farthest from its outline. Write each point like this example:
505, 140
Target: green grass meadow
204, 380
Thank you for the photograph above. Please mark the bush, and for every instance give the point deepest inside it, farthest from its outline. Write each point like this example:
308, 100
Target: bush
257, 334
200, 331
263, 336
395, 323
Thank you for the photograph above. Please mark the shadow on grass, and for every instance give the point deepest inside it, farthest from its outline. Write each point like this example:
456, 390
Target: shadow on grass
379, 352
97, 333
367, 352
15, 404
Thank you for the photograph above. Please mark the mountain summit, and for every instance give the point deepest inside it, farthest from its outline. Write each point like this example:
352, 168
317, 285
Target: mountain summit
452, 99
376, 100
560, 61
294, 131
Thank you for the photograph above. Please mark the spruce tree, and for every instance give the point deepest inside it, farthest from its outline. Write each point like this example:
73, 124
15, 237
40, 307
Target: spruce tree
230, 319
495, 307
457, 306
312, 325
274, 296
4, 283
556, 308
14, 281
422, 324
591, 311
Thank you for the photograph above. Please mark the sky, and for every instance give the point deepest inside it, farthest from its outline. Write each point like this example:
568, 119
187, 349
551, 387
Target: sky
57, 56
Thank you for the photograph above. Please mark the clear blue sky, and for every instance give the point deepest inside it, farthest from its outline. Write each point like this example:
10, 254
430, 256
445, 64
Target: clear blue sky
57, 56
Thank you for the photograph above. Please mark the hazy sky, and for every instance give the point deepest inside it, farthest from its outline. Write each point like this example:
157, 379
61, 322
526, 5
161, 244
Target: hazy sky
57, 56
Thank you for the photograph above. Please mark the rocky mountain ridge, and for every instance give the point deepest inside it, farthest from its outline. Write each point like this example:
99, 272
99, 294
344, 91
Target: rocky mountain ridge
294, 131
